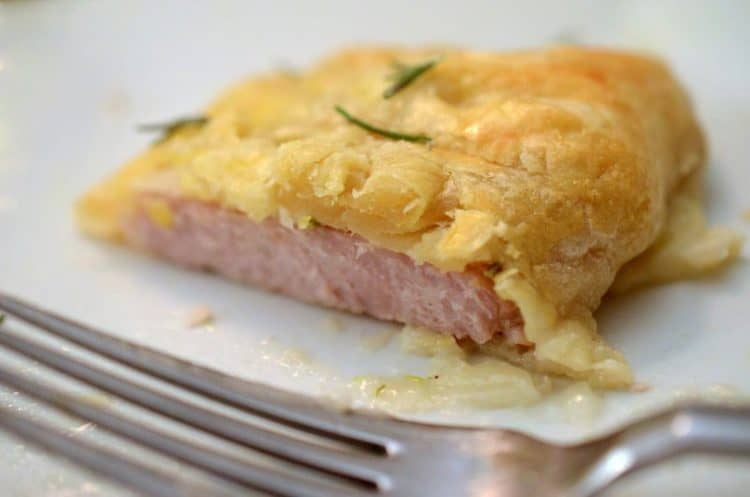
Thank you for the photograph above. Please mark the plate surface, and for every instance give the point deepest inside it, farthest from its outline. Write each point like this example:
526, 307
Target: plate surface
75, 77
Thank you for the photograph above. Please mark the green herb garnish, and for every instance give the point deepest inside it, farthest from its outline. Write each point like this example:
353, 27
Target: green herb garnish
307, 223
394, 135
169, 128
2, 318
405, 74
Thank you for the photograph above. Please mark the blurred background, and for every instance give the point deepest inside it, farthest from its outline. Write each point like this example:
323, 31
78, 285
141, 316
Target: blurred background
217, 41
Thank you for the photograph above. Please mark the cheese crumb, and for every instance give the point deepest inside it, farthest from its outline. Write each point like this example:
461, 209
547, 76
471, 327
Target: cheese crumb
426, 343
378, 340
332, 324
199, 316
640, 387
285, 218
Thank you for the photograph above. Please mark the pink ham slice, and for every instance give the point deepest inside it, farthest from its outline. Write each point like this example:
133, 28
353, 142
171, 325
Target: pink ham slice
327, 267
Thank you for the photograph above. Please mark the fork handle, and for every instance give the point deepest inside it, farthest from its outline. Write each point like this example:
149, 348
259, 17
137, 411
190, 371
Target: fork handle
697, 428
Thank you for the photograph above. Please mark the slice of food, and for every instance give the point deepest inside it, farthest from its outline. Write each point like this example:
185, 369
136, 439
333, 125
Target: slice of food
323, 266
492, 197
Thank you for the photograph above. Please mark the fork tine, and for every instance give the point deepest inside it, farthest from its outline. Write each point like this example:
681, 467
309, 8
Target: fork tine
360, 467
201, 456
290, 409
125, 471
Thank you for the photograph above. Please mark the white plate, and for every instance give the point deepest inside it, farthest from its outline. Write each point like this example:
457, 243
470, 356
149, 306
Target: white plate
75, 77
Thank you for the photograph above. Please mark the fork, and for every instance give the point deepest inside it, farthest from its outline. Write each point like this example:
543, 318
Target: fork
342, 453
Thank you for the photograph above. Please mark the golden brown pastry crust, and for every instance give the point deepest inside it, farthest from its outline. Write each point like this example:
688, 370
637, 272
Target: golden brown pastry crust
558, 164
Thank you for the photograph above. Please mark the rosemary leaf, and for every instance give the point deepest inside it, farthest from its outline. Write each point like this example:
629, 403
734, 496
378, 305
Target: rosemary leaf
406, 74
394, 135
168, 128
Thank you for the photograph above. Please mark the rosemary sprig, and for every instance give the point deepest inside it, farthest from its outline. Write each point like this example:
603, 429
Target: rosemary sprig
394, 135
169, 128
406, 74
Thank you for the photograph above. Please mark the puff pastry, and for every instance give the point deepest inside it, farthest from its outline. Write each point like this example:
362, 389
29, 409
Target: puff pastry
545, 172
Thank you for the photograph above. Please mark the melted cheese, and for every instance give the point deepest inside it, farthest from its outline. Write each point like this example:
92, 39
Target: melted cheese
567, 346
455, 380
687, 247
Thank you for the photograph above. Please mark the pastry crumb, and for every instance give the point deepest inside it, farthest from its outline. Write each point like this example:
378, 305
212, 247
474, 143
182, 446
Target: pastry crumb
640, 387
199, 316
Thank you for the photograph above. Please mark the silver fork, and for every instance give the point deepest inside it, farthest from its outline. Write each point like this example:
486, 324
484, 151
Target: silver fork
373, 455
